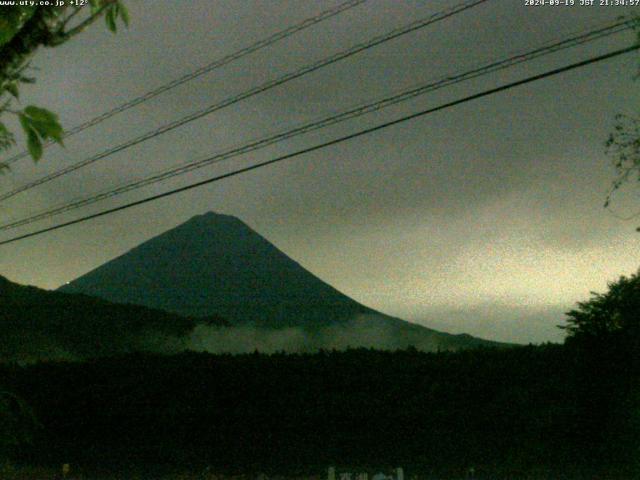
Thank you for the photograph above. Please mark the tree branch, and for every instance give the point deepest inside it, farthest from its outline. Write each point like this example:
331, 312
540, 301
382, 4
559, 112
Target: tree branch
68, 19
64, 36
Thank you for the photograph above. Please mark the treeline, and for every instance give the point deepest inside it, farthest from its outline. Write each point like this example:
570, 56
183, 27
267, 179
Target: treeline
41, 324
568, 409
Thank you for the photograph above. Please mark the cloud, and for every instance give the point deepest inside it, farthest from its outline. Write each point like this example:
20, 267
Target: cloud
368, 331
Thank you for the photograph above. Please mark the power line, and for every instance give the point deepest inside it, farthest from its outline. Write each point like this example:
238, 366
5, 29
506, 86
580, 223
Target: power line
335, 141
265, 42
249, 93
602, 31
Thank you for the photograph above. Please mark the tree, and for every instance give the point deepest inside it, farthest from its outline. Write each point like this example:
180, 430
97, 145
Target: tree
623, 146
24, 29
18, 424
616, 312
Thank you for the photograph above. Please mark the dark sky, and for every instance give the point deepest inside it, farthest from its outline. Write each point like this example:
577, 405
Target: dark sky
484, 218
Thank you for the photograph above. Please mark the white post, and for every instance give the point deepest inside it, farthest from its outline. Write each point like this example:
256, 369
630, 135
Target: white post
399, 473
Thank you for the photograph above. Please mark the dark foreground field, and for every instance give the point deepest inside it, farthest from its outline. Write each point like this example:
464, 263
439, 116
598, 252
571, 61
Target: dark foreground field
553, 411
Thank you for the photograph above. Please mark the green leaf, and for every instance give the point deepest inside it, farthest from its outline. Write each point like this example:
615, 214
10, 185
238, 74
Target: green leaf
44, 122
12, 88
49, 130
34, 144
124, 14
39, 124
24, 121
110, 19
41, 114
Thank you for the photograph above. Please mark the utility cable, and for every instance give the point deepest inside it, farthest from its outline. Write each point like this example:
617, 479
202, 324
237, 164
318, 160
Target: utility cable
395, 33
335, 141
522, 57
220, 62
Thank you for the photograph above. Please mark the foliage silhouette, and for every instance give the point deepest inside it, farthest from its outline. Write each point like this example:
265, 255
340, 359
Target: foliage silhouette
23, 30
510, 412
616, 312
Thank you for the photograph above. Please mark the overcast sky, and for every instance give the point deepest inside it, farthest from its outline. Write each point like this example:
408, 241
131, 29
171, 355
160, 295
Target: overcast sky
484, 218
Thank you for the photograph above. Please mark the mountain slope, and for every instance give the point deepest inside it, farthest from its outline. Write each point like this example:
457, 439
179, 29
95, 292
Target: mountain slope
37, 324
216, 264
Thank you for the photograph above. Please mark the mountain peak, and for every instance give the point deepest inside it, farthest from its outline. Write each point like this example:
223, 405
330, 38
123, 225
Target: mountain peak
215, 216
214, 264
213, 219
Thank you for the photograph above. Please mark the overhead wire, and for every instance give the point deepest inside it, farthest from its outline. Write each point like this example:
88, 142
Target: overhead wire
218, 63
602, 31
335, 141
395, 33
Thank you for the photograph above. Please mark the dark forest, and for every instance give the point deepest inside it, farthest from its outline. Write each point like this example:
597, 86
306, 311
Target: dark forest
569, 409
